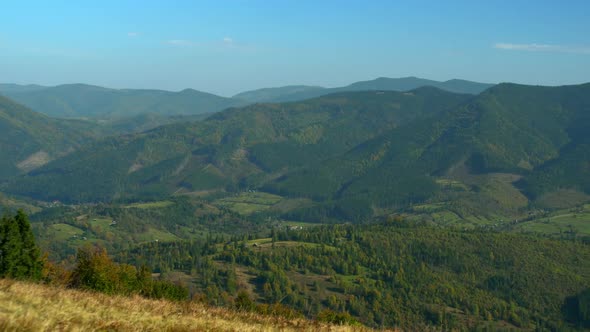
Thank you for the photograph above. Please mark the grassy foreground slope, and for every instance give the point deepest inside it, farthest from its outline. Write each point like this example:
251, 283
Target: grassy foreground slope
33, 307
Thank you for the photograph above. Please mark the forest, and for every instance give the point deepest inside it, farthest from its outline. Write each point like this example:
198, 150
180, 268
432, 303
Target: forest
391, 274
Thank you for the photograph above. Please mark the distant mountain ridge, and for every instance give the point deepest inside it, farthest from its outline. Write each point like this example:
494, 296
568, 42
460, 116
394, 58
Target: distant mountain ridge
89, 101
274, 94
12, 88
302, 92
82, 101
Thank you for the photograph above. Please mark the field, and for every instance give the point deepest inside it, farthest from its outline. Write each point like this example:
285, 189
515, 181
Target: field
64, 232
562, 199
489, 200
267, 244
32, 307
560, 213
300, 224
247, 203
452, 184
150, 205
444, 215
251, 202
571, 221
11, 203
96, 230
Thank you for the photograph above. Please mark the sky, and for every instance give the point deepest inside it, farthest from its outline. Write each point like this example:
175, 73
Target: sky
225, 47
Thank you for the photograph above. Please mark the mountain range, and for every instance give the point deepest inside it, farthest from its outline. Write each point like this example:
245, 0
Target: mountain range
301, 92
348, 153
87, 101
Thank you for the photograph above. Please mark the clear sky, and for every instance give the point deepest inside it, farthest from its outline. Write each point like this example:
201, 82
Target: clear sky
225, 47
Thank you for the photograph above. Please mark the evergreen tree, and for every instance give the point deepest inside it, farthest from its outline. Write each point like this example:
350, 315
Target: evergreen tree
19, 255
31, 264
10, 248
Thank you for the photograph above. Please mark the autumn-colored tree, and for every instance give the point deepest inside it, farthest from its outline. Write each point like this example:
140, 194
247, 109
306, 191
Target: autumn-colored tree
96, 271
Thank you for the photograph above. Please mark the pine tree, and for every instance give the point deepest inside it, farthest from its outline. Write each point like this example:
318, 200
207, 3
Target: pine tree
10, 248
19, 255
31, 264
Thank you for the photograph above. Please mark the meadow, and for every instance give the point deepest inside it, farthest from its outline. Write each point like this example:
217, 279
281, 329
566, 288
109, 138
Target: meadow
34, 307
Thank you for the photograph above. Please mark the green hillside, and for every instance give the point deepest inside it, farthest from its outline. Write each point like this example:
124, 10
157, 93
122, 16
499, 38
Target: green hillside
509, 128
81, 101
237, 148
354, 155
30, 139
61, 230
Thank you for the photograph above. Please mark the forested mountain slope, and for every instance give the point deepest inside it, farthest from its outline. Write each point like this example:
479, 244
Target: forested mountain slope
349, 152
29, 139
236, 148
509, 128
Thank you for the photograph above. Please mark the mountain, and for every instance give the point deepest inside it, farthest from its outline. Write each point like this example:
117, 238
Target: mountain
350, 153
464, 86
512, 129
302, 92
29, 139
15, 88
409, 83
236, 148
88, 101
82, 101
269, 94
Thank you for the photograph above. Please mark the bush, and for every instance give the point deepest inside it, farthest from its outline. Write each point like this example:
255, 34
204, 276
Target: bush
333, 317
95, 271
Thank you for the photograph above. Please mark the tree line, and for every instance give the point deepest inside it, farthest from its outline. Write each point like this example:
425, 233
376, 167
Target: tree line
20, 258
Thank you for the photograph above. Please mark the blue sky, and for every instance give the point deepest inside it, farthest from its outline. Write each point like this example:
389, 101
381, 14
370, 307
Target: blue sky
225, 47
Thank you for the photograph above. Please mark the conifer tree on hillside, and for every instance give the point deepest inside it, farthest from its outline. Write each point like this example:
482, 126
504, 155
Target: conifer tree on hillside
19, 255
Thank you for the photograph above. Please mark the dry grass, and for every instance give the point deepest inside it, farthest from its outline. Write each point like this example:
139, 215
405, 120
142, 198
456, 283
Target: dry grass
33, 307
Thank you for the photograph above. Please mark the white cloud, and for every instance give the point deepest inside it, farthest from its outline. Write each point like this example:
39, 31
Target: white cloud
179, 42
132, 34
228, 40
543, 48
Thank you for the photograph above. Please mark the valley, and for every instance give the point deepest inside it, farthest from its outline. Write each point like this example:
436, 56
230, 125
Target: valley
398, 209
295, 166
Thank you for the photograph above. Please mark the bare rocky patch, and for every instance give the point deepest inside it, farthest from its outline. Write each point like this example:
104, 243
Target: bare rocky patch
33, 161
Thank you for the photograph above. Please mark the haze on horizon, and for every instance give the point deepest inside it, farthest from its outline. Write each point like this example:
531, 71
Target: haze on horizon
226, 47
